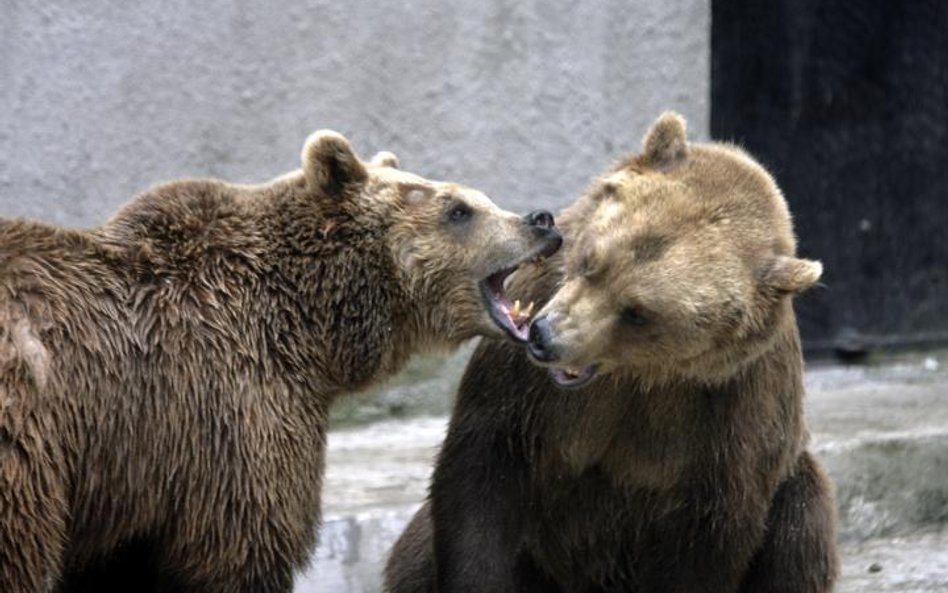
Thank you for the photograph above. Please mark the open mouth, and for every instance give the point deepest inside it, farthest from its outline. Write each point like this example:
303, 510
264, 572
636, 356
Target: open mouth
572, 378
512, 317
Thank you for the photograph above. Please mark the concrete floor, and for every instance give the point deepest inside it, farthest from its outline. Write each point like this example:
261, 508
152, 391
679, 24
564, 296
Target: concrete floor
881, 430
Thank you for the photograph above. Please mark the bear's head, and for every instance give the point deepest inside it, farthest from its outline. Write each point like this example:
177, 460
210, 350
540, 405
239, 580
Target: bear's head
680, 264
451, 247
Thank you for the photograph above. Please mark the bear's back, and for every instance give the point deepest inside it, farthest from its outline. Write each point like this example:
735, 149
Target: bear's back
38, 258
176, 225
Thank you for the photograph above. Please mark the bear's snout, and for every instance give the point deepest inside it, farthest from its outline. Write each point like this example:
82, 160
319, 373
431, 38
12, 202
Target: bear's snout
540, 343
544, 227
541, 219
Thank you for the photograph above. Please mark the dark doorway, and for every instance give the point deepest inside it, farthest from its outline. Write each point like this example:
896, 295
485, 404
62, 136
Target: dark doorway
847, 104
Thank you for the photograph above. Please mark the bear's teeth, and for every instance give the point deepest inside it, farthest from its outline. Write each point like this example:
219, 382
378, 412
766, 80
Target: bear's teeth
520, 314
515, 310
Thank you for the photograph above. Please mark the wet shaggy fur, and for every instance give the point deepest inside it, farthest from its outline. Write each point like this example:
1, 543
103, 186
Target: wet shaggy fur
165, 378
681, 466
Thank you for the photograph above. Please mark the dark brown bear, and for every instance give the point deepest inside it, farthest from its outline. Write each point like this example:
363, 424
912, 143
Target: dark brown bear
165, 378
663, 449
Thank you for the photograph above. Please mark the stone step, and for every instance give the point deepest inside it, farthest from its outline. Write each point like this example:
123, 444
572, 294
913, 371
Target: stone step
881, 431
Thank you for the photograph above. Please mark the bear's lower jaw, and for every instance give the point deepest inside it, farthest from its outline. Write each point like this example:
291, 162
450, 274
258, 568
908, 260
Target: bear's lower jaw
572, 378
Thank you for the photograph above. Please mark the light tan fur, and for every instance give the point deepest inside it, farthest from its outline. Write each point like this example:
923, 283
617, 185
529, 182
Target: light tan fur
703, 253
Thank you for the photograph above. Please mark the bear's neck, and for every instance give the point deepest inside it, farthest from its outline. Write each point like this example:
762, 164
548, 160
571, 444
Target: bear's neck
654, 434
347, 322
308, 287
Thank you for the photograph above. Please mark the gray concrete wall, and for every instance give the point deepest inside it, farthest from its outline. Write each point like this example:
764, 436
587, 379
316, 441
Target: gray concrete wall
521, 98
524, 99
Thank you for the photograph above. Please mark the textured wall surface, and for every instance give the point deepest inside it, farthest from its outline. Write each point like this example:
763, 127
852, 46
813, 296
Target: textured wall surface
526, 100
523, 99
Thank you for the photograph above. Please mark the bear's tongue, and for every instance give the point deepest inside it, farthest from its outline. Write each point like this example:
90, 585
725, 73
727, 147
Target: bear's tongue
573, 377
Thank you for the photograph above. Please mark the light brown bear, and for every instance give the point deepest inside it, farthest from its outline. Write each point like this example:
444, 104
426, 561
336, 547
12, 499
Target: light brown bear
165, 378
663, 447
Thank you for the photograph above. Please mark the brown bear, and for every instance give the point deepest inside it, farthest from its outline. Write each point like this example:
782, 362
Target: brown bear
663, 447
165, 378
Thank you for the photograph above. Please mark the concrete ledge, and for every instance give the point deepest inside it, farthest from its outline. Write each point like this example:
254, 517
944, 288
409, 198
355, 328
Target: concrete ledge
352, 552
891, 486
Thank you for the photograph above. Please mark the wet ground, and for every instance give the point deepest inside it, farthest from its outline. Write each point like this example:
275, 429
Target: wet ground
881, 430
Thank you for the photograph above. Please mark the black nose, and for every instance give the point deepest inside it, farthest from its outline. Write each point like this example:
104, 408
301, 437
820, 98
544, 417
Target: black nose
539, 343
541, 219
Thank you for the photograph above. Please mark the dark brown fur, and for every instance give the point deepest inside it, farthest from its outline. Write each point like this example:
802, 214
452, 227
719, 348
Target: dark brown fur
682, 466
165, 378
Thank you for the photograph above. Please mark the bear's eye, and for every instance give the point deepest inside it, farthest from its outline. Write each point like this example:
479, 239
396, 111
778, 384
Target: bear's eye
460, 212
632, 316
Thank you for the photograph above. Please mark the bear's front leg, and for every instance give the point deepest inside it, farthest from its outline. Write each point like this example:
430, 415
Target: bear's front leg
411, 565
277, 580
799, 553
33, 513
477, 511
251, 542
261, 572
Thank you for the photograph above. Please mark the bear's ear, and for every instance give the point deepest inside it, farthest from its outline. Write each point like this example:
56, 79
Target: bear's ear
385, 159
330, 164
665, 147
791, 274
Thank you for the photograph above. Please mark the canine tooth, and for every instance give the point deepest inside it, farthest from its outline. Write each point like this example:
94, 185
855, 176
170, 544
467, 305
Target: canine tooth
515, 310
528, 312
